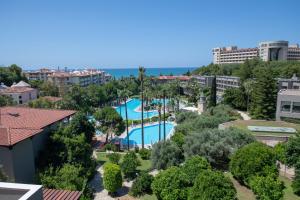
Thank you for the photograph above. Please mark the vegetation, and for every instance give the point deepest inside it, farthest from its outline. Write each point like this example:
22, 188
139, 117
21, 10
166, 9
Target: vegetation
142, 185
3, 177
165, 154
145, 154
6, 101
114, 158
11, 74
129, 165
212, 185
112, 177
216, 145
41, 103
171, 184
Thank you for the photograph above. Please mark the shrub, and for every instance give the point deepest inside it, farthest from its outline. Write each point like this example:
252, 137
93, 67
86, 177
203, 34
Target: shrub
114, 157
178, 139
129, 165
165, 154
171, 184
268, 187
216, 145
193, 166
254, 159
142, 185
145, 154
136, 149
111, 147
212, 185
112, 177
296, 181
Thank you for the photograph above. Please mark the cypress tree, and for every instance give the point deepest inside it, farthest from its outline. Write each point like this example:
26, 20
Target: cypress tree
213, 93
263, 105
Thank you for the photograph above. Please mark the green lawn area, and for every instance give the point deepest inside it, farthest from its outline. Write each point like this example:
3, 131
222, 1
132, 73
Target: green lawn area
145, 164
148, 197
288, 192
242, 124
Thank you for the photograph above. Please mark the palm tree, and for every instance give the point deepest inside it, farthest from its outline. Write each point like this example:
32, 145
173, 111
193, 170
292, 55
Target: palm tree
159, 122
248, 85
164, 102
124, 95
141, 78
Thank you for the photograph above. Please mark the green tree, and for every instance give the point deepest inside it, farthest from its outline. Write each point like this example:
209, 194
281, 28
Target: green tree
142, 185
165, 154
171, 184
213, 93
212, 185
263, 105
6, 101
255, 159
41, 103
112, 179
129, 165
178, 139
267, 188
142, 71
193, 166
109, 121
48, 89
216, 145
236, 98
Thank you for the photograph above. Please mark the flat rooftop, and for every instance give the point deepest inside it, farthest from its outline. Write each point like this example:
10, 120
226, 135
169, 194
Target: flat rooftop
289, 92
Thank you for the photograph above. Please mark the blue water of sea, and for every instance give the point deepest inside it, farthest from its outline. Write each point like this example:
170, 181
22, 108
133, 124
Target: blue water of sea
125, 72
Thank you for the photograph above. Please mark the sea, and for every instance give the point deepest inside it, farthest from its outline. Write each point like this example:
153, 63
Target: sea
126, 72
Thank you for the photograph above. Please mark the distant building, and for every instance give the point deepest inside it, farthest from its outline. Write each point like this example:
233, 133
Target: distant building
23, 134
223, 82
165, 79
288, 105
291, 83
21, 92
41, 74
14, 191
267, 51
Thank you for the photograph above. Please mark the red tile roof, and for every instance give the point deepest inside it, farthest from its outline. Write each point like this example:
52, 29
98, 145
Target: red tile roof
18, 123
52, 99
51, 194
182, 78
16, 90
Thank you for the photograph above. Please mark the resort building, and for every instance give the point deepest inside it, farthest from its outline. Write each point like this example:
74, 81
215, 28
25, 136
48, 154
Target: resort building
267, 51
15, 191
288, 105
165, 79
21, 92
223, 82
23, 134
291, 83
41, 74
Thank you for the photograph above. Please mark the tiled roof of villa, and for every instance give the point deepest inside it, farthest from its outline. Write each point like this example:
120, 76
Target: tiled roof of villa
16, 90
18, 123
51, 194
182, 78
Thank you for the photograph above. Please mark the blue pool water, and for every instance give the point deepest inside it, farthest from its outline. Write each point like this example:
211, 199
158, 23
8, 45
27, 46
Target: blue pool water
132, 114
151, 134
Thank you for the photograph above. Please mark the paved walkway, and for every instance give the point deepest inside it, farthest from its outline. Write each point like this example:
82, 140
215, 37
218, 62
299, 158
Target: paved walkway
244, 115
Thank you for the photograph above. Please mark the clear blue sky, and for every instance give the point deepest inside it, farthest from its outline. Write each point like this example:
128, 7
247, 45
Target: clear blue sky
127, 33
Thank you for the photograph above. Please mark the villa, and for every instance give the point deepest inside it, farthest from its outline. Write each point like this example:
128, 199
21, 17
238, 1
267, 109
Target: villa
23, 134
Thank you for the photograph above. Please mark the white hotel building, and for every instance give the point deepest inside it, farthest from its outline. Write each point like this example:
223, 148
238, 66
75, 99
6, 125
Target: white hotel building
267, 51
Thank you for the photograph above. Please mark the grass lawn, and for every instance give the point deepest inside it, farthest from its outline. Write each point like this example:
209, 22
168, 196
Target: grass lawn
148, 197
244, 123
288, 191
145, 164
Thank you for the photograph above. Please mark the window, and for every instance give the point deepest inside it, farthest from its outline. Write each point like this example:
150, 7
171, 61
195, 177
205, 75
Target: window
20, 101
296, 107
285, 106
20, 97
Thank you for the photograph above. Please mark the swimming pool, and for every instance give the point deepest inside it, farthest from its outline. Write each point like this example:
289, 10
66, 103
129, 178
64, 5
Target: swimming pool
133, 114
151, 134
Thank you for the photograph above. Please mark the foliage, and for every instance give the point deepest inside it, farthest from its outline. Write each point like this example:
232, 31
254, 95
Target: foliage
183, 116
263, 105
236, 98
41, 103
171, 184
193, 166
67, 177
47, 88
112, 179
178, 139
296, 181
3, 177
109, 121
142, 185
165, 154
145, 154
255, 159
267, 188
216, 145
114, 157
129, 165
11, 74
280, 152
6, 100
213, 93
212, 185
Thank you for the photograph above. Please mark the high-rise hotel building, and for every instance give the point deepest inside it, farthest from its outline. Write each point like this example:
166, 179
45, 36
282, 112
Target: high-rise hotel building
266, 51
